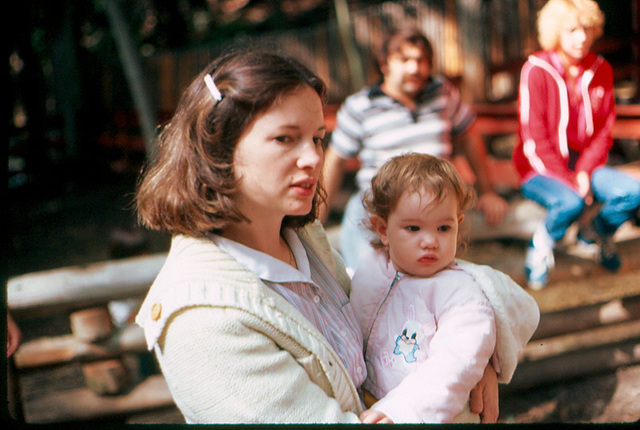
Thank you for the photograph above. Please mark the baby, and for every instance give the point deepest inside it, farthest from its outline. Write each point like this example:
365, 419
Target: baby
429, 320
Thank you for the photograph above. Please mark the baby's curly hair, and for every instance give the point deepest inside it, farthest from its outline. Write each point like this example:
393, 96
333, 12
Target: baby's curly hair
414, 172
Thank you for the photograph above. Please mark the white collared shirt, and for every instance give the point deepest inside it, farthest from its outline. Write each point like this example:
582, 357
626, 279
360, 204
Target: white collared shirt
311, 289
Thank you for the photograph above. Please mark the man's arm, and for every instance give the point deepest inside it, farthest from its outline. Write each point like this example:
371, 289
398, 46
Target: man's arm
333, 173
489, 202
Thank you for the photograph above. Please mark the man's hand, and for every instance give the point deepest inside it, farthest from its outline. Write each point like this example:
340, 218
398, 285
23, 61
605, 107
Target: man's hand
484, 397
493, 207
14, 336
374, 417
584, 187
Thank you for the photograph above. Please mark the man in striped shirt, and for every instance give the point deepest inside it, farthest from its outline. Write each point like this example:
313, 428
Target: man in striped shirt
409, 111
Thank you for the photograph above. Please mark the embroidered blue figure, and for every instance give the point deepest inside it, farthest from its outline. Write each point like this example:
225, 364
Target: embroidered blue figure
407, 342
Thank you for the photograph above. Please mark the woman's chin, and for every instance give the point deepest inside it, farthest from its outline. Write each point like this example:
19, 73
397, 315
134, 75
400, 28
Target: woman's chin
303, 211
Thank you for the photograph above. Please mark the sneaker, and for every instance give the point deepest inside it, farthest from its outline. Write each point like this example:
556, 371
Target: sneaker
603, 245
588, 235
537, 264
609, 258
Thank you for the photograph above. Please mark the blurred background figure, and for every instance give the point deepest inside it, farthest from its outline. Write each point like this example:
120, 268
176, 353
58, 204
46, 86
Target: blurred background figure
567, 111
410, 110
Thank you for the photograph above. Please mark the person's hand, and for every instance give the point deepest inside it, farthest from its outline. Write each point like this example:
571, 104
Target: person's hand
584, 187
484, 399
14, 336
371, 416
493, 207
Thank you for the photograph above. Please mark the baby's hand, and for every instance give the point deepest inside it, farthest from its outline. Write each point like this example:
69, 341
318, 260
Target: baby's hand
371, 416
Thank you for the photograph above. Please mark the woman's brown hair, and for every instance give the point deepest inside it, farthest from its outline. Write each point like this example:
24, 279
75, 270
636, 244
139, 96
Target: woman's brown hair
189, 187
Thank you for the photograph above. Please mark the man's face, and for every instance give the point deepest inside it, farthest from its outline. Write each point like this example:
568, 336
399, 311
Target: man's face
406, 71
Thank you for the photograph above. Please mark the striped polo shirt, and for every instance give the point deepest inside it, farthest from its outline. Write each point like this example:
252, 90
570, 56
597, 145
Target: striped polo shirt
311, 289
376, 127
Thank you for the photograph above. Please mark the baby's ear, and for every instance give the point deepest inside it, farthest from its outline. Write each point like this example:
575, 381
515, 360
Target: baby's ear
460, 218
380, 226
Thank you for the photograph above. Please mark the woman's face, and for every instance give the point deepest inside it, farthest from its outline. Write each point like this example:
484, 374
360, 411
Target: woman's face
279, 157
575, 40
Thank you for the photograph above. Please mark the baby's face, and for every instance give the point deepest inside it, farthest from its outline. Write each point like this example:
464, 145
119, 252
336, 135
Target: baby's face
422, 233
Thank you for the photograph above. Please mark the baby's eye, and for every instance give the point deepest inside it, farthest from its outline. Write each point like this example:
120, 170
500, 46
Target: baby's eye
444, 228
412, 228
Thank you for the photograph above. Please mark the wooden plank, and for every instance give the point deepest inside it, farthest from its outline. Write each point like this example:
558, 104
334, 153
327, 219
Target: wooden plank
51, 351
594, 290
82, 404
574, 364
89, 285
588, 317
541, 349
502, 118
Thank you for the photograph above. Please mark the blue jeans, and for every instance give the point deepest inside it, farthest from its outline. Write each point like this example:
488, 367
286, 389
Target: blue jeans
355, 239
618, 192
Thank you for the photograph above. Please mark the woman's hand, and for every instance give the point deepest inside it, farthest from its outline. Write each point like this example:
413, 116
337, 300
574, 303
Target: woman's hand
484, 396
374, 417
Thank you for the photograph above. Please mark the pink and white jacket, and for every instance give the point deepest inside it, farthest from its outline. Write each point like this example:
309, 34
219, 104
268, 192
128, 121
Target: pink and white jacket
428, 340
560, 123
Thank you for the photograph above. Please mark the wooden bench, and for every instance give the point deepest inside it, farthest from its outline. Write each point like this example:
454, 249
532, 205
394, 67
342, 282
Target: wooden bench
497, 119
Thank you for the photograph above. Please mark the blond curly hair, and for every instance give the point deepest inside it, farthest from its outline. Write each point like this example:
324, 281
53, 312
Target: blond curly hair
553, 16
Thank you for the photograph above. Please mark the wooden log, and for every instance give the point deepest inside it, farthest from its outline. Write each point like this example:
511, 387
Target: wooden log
549, 361
541, 349
91, 325
598, 289
83, 404
71, 288
106, 377
588, 317
53, 351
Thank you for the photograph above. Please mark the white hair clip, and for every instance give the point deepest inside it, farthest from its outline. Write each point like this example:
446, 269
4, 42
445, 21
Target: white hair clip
215, 92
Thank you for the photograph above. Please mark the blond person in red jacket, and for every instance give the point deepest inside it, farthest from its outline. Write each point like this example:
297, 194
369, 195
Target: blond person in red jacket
566, 112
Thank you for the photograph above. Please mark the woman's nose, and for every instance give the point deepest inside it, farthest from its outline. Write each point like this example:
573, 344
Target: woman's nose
310, 155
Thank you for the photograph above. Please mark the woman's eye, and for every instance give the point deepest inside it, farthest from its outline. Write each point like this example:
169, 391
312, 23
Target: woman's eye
318, 141
283, 139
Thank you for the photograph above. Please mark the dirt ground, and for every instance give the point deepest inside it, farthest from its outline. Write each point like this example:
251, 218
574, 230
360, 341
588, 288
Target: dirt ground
93, 221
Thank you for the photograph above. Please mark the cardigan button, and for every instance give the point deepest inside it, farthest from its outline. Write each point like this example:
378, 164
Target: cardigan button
156, 311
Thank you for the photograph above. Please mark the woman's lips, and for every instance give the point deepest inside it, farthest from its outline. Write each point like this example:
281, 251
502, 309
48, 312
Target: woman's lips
305, 187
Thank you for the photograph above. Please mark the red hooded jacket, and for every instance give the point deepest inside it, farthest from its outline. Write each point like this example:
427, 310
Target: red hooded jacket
563, 130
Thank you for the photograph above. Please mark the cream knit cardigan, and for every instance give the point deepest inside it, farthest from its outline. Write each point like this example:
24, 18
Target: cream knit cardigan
234, 351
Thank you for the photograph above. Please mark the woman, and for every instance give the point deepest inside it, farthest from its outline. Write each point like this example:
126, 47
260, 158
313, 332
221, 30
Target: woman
567, 111
250, 317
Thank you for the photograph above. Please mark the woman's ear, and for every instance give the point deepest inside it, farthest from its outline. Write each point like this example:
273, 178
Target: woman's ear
380, 226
